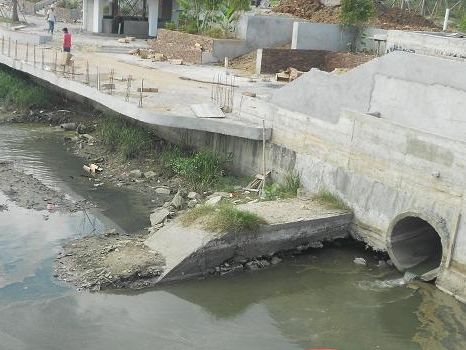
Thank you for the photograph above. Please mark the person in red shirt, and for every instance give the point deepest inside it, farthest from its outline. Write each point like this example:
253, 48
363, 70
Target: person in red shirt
66, 40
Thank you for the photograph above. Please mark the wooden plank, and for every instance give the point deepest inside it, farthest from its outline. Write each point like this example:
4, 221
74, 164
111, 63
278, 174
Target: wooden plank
148, 89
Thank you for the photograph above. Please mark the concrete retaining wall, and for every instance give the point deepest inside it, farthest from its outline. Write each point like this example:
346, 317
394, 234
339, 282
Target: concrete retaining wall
434, 44
265, 31
334, 37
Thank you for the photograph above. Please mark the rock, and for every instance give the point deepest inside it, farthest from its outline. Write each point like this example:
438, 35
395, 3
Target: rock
360, 261
275, 260
214, 200
158, 216
136, 174
162, 190
68, 126
194, 195
177, 201
86, 137
81, 129
192, 203
150, 174
219, 194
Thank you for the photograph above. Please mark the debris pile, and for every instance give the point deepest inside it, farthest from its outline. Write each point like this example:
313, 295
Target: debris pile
148, 54
386, 17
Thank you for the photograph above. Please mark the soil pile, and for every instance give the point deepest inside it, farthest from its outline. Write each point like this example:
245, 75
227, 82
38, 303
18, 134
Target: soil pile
386, 17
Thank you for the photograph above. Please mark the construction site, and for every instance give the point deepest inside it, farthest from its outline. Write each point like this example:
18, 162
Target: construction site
365, 124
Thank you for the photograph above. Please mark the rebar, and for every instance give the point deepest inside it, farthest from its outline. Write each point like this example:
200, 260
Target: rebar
55, 63
27, 52
72, 70
128, 88
88, 81
34, 56
16, 49
98, 79
3, 44
112, 72
42, 58
140, 94
9, 46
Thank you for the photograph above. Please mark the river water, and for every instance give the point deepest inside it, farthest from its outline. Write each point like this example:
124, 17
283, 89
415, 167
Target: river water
318, 300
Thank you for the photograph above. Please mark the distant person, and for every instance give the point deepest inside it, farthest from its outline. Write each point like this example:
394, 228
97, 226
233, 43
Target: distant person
51, 18
66, 40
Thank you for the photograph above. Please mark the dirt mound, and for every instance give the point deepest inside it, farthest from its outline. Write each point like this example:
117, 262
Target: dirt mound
386, 18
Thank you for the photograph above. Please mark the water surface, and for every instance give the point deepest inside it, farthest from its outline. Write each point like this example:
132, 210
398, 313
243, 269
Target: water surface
317, 300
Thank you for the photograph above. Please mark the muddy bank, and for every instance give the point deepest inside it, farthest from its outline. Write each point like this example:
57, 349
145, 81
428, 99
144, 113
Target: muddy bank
109, 261
28, 192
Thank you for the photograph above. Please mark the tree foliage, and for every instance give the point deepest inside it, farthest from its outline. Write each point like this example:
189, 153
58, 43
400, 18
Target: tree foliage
356, 12
201, 16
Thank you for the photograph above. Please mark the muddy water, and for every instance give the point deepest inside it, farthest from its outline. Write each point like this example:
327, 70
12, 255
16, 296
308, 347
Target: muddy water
318, 300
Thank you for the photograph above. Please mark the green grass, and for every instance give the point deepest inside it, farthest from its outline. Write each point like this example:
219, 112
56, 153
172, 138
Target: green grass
130, 140
18, 92
330, 200
287, 188
202, 170
223, 218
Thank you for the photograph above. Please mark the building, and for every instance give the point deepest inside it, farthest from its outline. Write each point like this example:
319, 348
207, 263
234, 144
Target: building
130, 17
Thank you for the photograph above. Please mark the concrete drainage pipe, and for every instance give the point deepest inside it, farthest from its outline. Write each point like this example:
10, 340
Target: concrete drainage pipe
415, 245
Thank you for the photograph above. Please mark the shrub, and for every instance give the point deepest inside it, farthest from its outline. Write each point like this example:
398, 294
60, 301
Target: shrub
128, 139
170, 25
17, 91
462, 23
356, 12
200, 169
286, 189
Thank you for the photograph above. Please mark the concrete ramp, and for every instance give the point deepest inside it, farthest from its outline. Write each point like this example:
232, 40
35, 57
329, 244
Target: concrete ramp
192, 251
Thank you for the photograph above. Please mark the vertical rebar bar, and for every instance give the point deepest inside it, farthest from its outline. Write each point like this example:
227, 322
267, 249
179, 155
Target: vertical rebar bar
140, 95
128, 88
87, 73
9, 46
16, 49
112, 72
72, 70
3, 44
55, 62
42, 58
34, 56
27, 52
97, 82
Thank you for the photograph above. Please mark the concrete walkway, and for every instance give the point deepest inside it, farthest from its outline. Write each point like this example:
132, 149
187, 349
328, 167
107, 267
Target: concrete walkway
179, 87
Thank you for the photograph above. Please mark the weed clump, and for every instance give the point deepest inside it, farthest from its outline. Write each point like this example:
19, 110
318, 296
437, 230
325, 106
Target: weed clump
288, 187
223, 218
200, 169
19, 92
128, 139
330, 200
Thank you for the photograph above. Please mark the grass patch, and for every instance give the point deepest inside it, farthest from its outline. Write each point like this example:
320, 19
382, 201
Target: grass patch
16, 91
202, 170
130, 140
223, 218
330, 200
288, 187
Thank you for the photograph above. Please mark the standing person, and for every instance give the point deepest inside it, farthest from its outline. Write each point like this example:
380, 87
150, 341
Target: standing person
66, 40
51, 18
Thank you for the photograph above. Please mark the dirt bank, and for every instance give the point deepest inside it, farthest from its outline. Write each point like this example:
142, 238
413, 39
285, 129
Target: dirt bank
28, 192
109, 261
386, 17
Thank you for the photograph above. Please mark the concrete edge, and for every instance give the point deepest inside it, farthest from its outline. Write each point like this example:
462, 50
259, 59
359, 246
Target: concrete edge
118, 105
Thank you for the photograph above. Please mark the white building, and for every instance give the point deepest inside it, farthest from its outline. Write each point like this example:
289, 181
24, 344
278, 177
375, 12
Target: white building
130, 17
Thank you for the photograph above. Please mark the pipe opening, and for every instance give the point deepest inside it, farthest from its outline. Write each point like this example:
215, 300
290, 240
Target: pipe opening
415, 245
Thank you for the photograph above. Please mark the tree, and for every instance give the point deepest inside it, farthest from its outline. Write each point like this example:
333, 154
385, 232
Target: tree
356, 12
14, 12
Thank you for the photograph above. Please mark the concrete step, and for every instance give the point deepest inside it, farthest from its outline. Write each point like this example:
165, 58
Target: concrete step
192, 251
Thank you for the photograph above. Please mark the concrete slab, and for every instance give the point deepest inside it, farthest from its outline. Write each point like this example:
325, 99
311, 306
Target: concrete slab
192, 251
